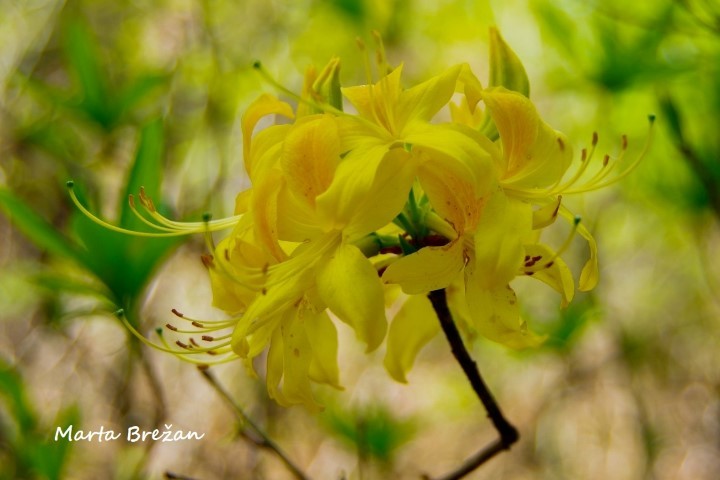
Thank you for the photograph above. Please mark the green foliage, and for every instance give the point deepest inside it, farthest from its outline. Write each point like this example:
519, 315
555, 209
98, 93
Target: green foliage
29, 452
374, 431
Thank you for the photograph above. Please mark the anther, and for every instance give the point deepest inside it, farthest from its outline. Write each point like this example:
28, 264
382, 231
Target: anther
202, 367
207, 260
172, 327
176, 313
583, 155
561, 144
594, 139
606, 160
131, 200
227, 254
182, 345
197, 324
208, 338
211, 352
624, 142
192, 340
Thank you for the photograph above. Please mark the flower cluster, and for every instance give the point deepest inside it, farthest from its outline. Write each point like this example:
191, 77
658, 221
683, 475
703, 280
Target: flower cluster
347, 202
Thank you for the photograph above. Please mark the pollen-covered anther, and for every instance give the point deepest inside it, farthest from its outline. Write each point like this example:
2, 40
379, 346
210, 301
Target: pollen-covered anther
192, 340
172, 327
594, 139
583, 155
207, 260
208, 338
561, 144
177, 313
182, 345
624, 142
606, 160
197, 324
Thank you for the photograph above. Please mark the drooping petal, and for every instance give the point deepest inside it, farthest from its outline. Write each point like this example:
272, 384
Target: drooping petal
589, 275
557, 275
348, 284
546, 215
323, 339
275, 367
430, 268
413, 327
297, 356
264, 105
496, 315
536, 155
264, 208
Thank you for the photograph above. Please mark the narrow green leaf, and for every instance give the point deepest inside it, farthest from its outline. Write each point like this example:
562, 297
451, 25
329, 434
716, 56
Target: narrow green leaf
37, 229
12, 388
146, 172
84, 60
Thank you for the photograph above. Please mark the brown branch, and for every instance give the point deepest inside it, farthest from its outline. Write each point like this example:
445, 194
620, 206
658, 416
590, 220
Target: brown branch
254, 434
508, 434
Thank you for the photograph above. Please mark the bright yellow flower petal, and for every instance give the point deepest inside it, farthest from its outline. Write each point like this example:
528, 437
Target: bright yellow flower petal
275, 367
297, 356
535, 155
499, 252
386, 196
589, 275
323, 339
310, 155
430, 268
265, 105
350, 287
413, 327
496, 315
422, 102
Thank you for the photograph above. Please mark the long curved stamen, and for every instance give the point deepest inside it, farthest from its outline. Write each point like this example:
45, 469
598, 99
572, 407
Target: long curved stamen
171, 228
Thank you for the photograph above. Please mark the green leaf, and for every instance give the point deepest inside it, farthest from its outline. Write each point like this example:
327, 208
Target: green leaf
38, 230
145, 172
79, 46
12, 388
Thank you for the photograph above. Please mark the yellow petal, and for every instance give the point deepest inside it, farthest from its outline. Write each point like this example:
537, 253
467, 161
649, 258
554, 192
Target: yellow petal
350, 287
275, 367
377, 102
264, 208
323, 339
298, 221
297, 356
430, 268
589, 275
386, 195
535, 154
310, 155
265, 105
413, 327
499, 252
546, 215
422, 102
558, 275
496, 315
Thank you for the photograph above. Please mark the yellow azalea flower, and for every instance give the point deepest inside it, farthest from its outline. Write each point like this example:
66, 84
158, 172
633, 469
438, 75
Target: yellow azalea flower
344, 202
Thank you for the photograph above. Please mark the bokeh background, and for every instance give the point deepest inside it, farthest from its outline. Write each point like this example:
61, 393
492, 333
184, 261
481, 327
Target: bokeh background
122, 93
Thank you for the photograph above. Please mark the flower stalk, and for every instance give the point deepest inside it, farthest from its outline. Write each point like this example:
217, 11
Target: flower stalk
508, 433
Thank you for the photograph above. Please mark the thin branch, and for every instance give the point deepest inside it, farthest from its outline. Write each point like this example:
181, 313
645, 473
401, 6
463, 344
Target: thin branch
508, 433
255, 435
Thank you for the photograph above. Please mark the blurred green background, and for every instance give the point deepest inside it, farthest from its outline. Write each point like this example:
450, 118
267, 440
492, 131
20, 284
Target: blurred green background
118, 94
